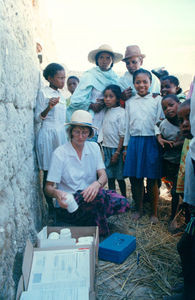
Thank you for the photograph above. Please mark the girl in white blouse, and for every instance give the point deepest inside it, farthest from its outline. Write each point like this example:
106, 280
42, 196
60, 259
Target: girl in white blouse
142, 159
50, 111
113, 130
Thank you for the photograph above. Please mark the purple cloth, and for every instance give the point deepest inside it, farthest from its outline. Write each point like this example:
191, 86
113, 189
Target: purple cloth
105, 204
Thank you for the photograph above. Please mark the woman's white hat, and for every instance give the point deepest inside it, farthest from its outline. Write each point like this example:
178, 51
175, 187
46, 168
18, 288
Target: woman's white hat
81, 118
104, 48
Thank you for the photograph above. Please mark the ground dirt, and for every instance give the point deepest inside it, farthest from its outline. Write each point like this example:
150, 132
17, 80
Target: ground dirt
157, 270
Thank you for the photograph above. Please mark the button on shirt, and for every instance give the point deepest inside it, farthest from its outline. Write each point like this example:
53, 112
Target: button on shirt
72, 174
141, 116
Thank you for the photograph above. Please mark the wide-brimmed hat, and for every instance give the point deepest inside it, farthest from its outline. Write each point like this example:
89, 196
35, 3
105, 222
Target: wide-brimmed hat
131, 51
81, 118
104, 48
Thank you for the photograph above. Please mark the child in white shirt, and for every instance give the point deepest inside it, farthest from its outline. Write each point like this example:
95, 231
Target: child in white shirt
113, 130
142, 158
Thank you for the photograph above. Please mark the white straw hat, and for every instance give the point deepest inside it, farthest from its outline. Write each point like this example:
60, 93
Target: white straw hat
81, 118
104, 48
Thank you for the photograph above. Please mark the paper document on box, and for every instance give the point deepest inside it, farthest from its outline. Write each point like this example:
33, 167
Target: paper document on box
67, 294
60, 269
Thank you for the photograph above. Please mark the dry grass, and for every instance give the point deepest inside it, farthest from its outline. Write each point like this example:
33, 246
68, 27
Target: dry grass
158, 267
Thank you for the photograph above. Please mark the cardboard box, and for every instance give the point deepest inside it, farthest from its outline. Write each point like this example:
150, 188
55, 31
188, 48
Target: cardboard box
41, 246
117, 247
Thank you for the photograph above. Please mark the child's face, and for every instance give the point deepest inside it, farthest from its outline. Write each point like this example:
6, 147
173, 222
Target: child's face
183, 114
133, 64
168, 88
58, 81
142, 84
104, 61
72, 84
170, 107
110, 99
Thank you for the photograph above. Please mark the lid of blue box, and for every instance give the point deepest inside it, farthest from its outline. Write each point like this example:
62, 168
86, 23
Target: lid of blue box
117, 242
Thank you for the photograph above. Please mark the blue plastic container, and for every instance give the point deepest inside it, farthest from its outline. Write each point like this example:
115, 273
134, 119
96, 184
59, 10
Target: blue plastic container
117, 247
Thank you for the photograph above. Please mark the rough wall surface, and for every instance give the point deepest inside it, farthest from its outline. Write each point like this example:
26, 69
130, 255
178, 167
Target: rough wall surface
20, 199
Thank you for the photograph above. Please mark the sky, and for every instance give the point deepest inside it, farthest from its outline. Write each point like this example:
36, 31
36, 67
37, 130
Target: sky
164, 30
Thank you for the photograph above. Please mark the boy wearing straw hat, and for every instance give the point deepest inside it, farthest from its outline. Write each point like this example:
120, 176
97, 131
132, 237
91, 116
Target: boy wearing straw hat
134, 59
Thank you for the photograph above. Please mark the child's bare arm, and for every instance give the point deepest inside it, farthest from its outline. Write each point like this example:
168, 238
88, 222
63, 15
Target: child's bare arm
115, 156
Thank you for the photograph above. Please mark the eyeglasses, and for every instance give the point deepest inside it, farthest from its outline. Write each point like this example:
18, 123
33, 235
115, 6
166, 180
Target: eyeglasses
79, 132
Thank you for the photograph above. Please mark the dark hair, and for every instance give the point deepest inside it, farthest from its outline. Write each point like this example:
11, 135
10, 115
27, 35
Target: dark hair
185, 103
142, 71
73, 77
173, 97
51, 70
174, 80
99, 53
71, 127
116, 91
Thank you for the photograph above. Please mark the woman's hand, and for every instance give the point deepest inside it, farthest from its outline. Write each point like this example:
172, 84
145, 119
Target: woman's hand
114, 158
53, 102
61, 198
91, 191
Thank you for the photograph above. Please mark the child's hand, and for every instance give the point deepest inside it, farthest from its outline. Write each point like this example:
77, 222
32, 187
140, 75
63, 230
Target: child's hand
124, 155
163, 142
98, 106
126, 94
114, 158
53, 102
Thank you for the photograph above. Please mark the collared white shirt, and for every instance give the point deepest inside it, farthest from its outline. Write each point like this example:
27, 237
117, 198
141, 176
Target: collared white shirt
113, 127
72, 174
141, 116
126, 81
57, 115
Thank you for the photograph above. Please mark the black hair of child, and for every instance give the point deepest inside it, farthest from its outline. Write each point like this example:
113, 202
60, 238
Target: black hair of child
142, 71
116, 91
172, 96
185, 103
73, 77
51, 70
99, 53
174, 80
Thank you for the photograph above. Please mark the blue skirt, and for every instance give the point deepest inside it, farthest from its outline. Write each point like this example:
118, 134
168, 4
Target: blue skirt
143, 158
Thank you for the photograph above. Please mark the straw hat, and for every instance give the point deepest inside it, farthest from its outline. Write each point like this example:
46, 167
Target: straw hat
131, 51
81, 118
104, 48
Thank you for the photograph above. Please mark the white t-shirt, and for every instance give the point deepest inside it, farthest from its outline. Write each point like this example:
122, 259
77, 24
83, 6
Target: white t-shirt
113, 126
141, 116
72, 174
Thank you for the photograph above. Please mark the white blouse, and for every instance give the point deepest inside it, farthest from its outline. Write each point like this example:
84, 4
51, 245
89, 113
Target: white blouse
52, 132
71, 173
141, 116
113, 127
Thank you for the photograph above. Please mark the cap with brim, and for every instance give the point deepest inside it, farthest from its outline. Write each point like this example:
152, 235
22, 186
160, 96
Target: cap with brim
104, 48
81, 118
131, 51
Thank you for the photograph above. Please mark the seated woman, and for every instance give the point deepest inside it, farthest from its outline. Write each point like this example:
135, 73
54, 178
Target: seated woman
89, 93
77, 167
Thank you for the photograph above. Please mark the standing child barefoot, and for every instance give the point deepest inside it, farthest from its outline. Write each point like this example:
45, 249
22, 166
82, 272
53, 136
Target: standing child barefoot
113, 130
142, 159
171, 141
51, 113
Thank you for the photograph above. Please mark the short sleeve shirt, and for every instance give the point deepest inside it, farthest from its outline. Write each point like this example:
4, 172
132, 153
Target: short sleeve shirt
71, 173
